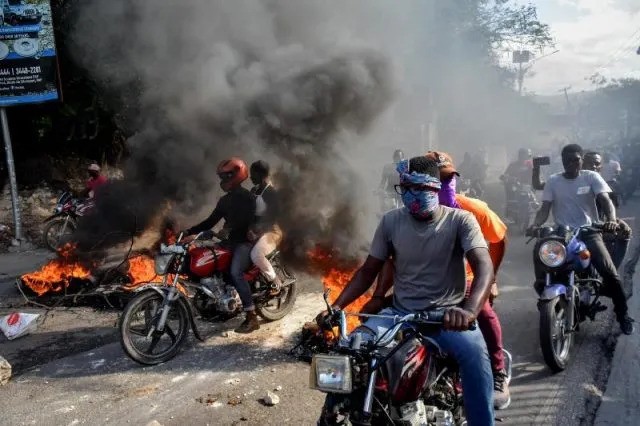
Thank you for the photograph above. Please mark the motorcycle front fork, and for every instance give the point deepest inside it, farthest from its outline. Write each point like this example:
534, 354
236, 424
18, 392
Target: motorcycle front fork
171, 296
64, 227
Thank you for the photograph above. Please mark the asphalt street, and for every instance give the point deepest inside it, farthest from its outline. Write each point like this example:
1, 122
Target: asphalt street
222, 380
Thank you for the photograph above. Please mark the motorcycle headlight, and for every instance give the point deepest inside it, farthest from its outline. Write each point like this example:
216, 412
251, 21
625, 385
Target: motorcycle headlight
330, 373
552, 253
162, 263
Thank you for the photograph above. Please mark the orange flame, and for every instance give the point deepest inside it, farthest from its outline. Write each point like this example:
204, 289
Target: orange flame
141, 270
336, 274
56, 275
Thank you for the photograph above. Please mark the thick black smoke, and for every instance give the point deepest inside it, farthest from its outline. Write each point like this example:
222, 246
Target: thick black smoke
200, 80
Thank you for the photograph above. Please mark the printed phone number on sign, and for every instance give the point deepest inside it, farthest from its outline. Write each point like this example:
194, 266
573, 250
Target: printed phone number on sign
20, 71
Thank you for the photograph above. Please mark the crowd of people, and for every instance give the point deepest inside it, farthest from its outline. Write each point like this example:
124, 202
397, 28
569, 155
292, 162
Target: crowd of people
439, 249
408, 260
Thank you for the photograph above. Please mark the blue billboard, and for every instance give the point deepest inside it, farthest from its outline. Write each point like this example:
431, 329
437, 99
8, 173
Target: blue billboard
28, 65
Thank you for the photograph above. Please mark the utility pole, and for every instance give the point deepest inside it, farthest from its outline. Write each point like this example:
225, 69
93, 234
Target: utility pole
521, 57
520, 78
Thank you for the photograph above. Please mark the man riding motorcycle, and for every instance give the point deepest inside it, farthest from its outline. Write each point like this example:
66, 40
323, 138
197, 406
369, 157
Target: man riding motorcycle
573, 195
238, 209
390, 179
265, 232
494, 232
617, 244
428, 243
95, 181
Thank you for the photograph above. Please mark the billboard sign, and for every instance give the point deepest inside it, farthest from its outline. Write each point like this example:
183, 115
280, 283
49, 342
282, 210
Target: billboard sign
28, 65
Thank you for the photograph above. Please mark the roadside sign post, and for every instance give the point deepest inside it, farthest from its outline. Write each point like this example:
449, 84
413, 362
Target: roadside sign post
11, 169
28, 74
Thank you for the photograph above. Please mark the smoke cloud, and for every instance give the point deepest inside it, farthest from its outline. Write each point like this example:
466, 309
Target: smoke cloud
201, 80
323, 90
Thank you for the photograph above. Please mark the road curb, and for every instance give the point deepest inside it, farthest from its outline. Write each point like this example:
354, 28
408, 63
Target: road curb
621, 401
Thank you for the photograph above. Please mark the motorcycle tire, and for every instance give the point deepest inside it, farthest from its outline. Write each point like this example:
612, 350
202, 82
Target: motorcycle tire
56, 226
555, 353
284, 301
145, 301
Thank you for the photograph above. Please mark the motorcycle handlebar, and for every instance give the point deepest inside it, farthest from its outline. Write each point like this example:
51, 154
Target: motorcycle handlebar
434, 317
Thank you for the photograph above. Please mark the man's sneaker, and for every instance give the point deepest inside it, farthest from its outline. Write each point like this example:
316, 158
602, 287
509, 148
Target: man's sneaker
626, 325
501, 394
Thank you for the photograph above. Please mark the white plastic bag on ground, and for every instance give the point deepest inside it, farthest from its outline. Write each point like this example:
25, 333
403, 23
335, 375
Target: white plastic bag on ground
18, 324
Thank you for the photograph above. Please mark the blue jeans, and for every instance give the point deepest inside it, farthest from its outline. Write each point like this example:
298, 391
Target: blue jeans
470, 352
240, 262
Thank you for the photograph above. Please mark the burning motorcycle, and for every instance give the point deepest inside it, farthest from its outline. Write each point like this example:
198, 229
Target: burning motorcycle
367, 382
195, 281
571, 290
64, 220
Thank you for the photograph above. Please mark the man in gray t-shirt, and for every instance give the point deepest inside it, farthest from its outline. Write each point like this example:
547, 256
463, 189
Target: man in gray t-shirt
428, 243
575, 198
427, 276
572, 195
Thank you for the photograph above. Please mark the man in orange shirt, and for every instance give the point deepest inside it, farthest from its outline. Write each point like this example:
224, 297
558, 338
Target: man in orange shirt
494, 231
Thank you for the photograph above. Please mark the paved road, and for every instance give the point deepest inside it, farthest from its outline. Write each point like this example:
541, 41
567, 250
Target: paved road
104, 387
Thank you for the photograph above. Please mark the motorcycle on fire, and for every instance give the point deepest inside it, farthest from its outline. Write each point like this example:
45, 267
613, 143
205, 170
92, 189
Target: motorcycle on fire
369, 382
64, 220
570, 291
195, 281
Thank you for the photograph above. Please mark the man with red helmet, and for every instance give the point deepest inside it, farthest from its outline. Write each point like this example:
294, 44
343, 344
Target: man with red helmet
238, 209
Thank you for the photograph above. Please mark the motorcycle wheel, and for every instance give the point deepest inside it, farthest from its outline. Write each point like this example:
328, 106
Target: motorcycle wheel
279, 306
55, 233
555, 342
140, 314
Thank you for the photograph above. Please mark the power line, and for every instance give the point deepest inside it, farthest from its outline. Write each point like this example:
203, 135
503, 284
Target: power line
621, 52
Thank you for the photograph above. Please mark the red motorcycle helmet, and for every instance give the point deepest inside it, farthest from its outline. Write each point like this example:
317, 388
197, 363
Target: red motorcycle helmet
232, 172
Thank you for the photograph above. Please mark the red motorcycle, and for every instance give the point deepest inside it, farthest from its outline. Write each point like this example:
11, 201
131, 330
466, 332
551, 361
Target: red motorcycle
64, 220
195, 281
369, 381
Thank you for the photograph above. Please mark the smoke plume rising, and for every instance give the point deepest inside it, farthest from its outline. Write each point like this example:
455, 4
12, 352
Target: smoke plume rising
201, 80
323, 90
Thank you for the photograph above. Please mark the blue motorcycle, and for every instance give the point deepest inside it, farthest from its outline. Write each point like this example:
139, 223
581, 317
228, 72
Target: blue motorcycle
570, 292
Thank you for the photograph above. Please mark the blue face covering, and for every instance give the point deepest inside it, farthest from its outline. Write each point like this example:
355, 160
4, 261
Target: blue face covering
420, 203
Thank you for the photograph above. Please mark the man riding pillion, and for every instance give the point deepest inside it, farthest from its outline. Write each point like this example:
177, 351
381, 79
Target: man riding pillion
265, 232
238, 209
494, 232
428, 243
572, 195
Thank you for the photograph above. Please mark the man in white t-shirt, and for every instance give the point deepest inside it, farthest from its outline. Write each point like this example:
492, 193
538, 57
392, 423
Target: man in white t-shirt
572, 195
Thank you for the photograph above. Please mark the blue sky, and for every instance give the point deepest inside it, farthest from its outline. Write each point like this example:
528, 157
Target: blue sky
591, 36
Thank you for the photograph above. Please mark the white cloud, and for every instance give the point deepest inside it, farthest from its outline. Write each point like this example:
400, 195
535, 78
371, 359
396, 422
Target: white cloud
602, 36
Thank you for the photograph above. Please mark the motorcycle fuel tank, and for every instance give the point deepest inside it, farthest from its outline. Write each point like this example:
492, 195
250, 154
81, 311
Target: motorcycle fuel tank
205, 261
